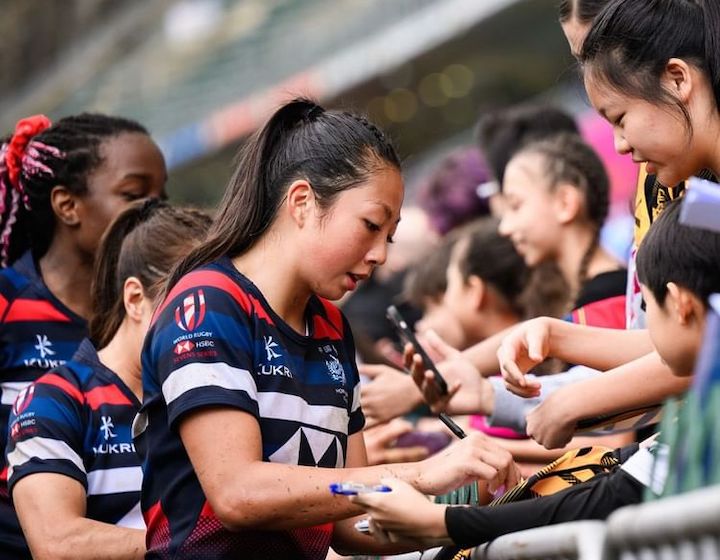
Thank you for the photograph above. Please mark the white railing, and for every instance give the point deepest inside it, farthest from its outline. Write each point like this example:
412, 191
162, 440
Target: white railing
685, 527
581, 540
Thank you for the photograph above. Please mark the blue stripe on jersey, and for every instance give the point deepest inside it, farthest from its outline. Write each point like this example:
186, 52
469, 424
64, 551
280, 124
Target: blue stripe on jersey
76, 421
216, 341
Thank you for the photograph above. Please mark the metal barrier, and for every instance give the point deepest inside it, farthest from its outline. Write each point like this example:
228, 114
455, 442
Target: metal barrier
581, 540
685, 526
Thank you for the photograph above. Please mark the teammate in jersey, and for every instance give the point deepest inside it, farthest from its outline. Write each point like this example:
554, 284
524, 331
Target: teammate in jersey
74, 475
60, 186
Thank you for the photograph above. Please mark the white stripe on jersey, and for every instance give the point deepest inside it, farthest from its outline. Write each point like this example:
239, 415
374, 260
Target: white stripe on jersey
42, 448
278, 406
114, 481
133, 519
10, 390
217, 374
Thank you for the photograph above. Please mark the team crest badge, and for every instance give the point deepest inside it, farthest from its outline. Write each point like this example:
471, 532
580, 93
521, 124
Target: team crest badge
190, 314
23, 400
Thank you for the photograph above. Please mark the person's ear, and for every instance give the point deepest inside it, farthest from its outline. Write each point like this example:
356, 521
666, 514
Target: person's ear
64, 205
568, 202
678, 78
134, 298
476, 292
300, 201
683, 303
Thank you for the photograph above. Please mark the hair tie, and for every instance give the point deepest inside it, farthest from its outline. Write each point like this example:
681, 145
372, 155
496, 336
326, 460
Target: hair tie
25, 129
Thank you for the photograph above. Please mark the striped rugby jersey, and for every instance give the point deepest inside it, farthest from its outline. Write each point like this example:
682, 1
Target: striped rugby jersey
216, 342
37, 333
77, 421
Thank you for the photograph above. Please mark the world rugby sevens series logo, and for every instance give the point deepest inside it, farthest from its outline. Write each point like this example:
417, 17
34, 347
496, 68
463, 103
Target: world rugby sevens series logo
23, 400
190, 314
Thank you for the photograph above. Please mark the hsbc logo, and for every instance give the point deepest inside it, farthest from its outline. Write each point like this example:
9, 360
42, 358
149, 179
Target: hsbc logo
190, 313
182, 347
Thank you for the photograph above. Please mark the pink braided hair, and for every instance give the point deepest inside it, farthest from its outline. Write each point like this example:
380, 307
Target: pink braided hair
18, 157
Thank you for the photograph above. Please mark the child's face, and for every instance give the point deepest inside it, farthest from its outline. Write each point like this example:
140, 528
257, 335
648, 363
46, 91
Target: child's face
648, 132
343, 244
676, 335
439, 318
530, 217
458, 298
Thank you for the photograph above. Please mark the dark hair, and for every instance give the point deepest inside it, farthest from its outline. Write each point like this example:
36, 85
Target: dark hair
569, 159
493, 258
146, 240
630, 43
334, 151
673, 252
502, 133
65, 154
582, 10
450, 194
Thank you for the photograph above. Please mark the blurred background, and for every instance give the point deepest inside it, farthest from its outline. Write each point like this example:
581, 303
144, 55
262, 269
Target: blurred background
202, 74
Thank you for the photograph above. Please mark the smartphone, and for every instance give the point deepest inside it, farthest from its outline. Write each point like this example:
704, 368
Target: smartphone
355, 488
406, 332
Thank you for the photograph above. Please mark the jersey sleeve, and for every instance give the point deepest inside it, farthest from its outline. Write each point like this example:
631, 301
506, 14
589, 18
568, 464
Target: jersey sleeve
46, 430
200, 351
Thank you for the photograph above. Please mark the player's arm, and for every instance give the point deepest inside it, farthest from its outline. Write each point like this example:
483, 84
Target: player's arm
47, 478
346, 539
225, 448
51, 508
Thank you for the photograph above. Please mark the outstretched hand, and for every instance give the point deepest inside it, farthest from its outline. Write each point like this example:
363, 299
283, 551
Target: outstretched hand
389, 393
404, 515
476, 396
380, 444
551, 423
526, 346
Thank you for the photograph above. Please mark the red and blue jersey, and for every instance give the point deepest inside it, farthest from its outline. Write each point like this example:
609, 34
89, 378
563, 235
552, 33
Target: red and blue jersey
76, 420
602, 301
37, 333
216, 342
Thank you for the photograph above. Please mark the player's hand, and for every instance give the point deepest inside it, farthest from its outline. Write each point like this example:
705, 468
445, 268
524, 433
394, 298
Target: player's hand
474, 458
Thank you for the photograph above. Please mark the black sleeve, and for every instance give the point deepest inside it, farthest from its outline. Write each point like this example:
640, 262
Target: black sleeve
595, 499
